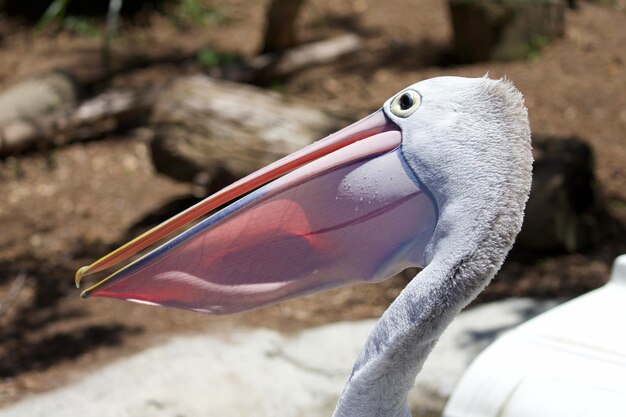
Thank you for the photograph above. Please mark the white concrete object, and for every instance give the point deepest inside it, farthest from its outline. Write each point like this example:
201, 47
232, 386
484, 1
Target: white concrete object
570, 361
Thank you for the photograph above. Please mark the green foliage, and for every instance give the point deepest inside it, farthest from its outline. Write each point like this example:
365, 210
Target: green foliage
81, 26
617, 204
210, 58
54, 13
183, 12
277, 85
197, 12
535, 46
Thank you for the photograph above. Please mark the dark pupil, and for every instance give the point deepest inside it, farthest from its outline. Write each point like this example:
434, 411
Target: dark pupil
406, 101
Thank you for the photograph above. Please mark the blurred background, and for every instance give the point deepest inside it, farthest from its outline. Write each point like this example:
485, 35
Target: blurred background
115, 115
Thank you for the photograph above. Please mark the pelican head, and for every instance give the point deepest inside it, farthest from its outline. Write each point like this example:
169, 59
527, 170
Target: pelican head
467, 141
437, 178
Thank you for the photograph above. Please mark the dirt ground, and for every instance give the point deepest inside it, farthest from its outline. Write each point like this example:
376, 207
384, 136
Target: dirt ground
63, 208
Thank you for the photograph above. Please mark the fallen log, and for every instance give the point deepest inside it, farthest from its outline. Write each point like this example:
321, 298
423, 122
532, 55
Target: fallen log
211, 132
104, 113
273, 65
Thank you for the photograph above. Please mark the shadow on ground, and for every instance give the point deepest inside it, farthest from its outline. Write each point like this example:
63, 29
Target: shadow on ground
39, 330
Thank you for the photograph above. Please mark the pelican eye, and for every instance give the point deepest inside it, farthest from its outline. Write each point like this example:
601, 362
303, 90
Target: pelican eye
405, 103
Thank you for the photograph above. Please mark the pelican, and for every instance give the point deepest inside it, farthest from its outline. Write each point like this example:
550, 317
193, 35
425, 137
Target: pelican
437, 178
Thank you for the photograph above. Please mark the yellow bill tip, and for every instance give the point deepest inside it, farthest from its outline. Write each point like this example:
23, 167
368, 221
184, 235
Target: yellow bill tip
79, 275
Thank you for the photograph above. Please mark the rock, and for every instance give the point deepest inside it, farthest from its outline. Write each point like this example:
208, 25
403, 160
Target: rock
265, 373
504, 29
37, 96
565, 211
